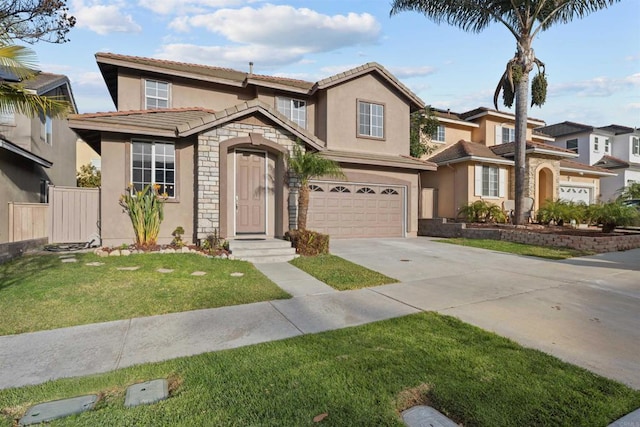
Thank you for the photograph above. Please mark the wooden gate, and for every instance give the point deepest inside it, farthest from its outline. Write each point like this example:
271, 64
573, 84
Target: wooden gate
74, 214
28, 221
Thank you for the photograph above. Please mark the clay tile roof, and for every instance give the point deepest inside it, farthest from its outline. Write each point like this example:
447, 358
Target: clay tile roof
571, 164
283, 81
388, 160
464, 150
610, 162
509, 149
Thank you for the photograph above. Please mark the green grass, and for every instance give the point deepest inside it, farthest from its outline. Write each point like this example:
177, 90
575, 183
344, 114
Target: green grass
340, 273
40, 292
518, 248
358, 376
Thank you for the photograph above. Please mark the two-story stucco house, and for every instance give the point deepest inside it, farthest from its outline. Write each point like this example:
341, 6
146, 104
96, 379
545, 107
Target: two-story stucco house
35, 152
216, 141
475, 151
615, 148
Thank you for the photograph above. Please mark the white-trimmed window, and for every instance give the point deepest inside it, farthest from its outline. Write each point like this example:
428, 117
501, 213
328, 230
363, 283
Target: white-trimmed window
572, 144
294, 109
7, 118
607, 146
635, 146
46, 130
438, 134
490, 181
370, 119
153, 163
596, 144
156, 94
508, 135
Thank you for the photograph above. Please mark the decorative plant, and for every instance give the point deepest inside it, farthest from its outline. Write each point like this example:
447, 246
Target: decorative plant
177, 237
482, 211
214, 243
612, 215
145, 209
561, 212
631, 191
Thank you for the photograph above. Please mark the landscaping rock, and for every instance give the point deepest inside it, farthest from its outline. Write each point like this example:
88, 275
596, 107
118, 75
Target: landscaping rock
102, 253
169, 251
231, 257
66, 256
164, 270
185, 250
114, 253
94, 264
49, 411
128, 268
237, 274
198, 273
420, 416
69, 260
125, 252
146, 393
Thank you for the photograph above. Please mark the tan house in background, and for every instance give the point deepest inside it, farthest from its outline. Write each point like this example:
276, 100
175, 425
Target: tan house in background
35, 152
474, 153
85, 155
216, 141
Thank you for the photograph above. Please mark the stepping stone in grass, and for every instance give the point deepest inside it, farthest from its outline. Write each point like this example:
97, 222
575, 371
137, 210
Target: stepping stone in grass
66, 260
94, 264
67, 256
164, 270
419, 416
146, 393
128, 268
236, 274
198, 273
44, 412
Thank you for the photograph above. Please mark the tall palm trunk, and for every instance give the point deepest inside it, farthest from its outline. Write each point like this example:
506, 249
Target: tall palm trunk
303, 206
522, 99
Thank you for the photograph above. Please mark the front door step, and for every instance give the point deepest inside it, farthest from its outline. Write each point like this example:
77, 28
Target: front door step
262, 251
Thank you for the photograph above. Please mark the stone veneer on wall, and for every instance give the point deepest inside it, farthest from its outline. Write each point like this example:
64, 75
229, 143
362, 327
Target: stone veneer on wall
208, 202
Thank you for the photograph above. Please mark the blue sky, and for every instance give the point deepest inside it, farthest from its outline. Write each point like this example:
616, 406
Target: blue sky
593, 64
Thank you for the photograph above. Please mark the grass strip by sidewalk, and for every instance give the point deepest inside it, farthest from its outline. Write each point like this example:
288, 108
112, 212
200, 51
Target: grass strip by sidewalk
517, 248
360, 376
339, 273
40, 292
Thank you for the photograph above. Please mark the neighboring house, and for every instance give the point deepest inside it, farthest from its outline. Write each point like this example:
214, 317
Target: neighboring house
85, 155
216, 142
615, 148
35, 152
475, 151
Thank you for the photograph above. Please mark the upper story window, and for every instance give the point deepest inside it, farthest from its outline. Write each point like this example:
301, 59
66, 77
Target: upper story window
635, 146
294, 109
153, 163
572, 144
607, 146
156, 94
7, 118
370, 119
46, 130
438, 134
596, 144
508, 135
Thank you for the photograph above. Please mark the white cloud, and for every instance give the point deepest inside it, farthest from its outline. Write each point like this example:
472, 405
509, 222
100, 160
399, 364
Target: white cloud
88, 78
408, 72
596, 87
286, 27
632, 57
170, 7
104, 19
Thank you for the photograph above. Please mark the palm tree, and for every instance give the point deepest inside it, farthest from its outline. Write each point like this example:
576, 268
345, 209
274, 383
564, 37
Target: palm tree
18, 63
524, 19
305, 165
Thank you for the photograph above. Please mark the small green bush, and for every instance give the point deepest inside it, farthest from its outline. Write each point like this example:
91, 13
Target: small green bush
612, 215
482, 211
561, 212
308, 243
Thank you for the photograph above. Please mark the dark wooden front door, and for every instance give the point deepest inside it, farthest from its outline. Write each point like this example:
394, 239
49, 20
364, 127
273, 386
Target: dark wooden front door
250, 192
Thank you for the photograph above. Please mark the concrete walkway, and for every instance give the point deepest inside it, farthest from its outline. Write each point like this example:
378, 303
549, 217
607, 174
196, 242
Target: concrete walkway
584, 310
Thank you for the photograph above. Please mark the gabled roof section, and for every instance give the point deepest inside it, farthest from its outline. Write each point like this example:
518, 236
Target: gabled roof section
610, 162
484, 111
178, 122
508, 149
370, 67
573, 166
617, 129
402, 162
10, 146
465, 151
565, 128
447, 116
42, 83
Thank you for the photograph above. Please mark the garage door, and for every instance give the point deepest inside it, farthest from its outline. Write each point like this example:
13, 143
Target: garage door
575, 194
343, 209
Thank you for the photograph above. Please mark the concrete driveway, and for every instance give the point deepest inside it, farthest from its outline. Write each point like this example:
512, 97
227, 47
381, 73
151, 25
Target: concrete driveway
585, 310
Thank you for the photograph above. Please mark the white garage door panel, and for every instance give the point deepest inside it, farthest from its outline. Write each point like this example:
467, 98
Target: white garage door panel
575, 193
356, 210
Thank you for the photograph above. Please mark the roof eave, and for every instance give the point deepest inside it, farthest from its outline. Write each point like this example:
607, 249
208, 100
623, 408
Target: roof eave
476, 159
24, 153
586, 171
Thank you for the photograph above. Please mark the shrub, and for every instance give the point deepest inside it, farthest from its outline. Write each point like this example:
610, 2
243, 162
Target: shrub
146, 213
177, 237
308, 243
561, 212
482, 211
612, 215
214, 243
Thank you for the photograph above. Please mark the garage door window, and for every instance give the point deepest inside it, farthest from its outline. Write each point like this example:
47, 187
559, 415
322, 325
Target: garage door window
314, 187
340, 189
389, 191
365, 190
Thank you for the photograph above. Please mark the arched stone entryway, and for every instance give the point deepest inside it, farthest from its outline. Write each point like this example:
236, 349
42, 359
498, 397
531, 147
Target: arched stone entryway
545, 188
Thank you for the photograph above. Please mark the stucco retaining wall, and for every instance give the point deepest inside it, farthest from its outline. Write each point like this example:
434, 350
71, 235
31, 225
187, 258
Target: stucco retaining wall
9, 251
439, 227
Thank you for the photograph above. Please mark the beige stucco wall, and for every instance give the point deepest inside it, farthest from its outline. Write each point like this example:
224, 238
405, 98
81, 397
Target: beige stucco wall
533, 187
342, 119
452, 185
575, 178
84, 154
116, 169
486, 133
452, 135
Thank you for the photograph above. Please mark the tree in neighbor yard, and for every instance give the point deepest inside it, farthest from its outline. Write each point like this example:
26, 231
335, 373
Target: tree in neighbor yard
524, 19
32, 21
16, 65
305, 165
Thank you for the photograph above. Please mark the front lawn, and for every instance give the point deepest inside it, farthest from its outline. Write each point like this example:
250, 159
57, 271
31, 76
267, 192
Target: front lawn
517, 248
340, 273
360, 376
41, 292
